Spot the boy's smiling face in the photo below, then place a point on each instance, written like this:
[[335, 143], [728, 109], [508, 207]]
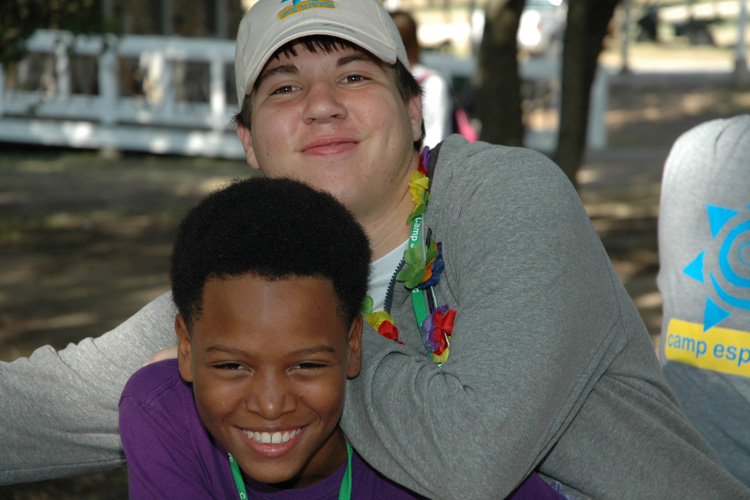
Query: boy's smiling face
[[269, 361], [336, 121]]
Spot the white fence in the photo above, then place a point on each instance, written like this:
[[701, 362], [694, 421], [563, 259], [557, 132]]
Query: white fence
[[171, 109], [154, 119]]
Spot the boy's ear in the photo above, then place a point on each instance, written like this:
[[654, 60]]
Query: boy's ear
[[246, 138], [355, 348], [414, 107], [184, 360]]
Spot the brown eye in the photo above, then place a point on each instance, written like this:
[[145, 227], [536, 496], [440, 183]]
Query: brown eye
[[286, 89], [354, 79], [310, 366], [229, 366]]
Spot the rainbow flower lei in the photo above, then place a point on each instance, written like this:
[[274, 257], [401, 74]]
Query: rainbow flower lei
[[423, 269]]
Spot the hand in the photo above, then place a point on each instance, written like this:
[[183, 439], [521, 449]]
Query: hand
[[168, 353]]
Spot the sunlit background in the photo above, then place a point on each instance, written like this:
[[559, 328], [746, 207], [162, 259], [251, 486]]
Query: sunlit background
[[113, 127]]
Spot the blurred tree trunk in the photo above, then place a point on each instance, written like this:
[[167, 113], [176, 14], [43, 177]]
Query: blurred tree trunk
[[20, 18], [588, 24], [498, 98]]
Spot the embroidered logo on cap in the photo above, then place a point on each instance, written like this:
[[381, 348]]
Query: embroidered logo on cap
[[302, 5]]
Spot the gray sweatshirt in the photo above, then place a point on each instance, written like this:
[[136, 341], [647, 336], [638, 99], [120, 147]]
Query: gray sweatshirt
[[551, 368], [704, 278]]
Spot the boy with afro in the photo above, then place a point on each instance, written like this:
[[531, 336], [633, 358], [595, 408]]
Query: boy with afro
[[268, 277]]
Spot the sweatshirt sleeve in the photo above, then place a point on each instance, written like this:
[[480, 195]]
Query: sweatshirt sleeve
[[537, 314], [59, 412]]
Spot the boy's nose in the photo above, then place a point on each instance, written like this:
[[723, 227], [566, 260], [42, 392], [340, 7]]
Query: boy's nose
[[323, 104], [270, 397]]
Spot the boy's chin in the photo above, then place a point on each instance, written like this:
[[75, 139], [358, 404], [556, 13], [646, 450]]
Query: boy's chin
[[283, 479], [291, 475]]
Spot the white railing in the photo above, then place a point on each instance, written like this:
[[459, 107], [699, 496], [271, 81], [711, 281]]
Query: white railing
[[157, 116], [154, 119]]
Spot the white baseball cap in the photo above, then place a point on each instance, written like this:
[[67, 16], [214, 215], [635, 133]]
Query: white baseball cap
[[270, 24]]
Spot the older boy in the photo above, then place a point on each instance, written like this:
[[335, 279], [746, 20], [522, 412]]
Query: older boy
[[519, 349]]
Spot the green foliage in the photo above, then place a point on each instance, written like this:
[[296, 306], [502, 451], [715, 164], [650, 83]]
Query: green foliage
[[19, 19]]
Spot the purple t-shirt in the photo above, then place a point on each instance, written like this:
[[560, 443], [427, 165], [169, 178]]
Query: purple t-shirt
[[171, 455]]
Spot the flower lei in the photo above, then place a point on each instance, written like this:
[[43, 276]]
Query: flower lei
[[424, 264]]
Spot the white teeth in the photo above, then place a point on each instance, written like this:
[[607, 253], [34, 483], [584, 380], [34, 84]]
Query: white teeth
[[272, 438]]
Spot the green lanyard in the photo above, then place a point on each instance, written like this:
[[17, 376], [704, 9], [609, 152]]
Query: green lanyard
[[238, 482], [417, 294], [345, 491]]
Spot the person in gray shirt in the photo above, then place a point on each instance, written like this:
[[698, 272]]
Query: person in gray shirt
[[704, 278]]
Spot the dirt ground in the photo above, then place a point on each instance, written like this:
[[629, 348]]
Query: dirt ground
[[84, 239]]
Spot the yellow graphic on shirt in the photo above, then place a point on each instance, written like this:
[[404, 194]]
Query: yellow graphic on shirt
[[301, 5], [718, 349]]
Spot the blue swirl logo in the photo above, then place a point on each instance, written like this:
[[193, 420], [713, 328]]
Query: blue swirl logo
[[726, 264]]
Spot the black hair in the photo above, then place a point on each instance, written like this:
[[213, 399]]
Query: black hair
[[275, 229], [406, 84]]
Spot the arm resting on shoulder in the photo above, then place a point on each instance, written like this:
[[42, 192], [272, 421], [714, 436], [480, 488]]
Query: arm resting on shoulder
[[59, 412], [535, 328]]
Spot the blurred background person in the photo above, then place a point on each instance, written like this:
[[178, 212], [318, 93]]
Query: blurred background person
[[437, 99]]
